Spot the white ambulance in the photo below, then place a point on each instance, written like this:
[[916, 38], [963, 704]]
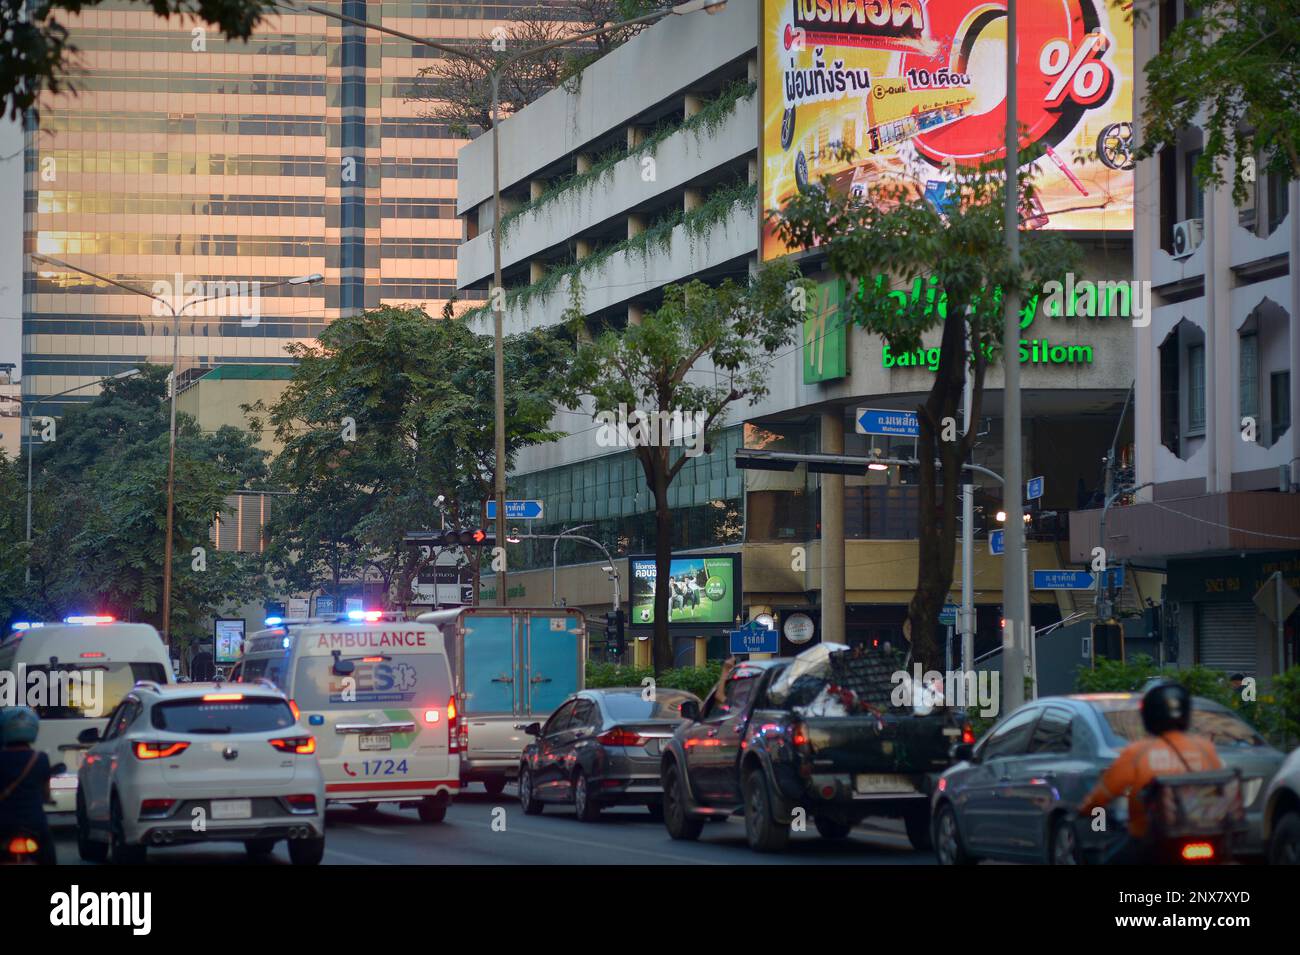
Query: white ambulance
[[376, 692]]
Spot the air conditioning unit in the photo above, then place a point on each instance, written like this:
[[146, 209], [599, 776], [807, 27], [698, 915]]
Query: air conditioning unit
[[1188, 236]]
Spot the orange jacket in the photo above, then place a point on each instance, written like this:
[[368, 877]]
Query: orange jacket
[[1144, 760]]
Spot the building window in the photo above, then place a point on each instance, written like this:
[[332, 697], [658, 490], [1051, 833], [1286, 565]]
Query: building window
[[1195, 195], [1169, 392], [1249, 377], [1196, 389], [1279, 404]]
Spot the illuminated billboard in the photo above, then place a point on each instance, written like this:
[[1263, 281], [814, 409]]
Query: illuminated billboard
[[703, 589], [916, 90]]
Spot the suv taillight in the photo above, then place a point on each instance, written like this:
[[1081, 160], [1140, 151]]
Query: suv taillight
[[159, 750], [302, 745], [618, 736], [457, 736], [967, 733], [155, 808]]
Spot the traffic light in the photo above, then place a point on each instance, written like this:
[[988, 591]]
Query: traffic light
[[1107, 641], [468, 537], [614, 636]]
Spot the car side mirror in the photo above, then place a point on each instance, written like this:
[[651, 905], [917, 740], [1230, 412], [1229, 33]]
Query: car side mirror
[[533, 729], [89, 735], [690, 710], [963, 751]]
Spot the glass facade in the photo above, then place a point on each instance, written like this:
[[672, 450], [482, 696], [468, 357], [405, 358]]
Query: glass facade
[[185, 158], [610, 494]]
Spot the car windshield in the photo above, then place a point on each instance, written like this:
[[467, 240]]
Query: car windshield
[[410, 678], [1225, 729], [91, 690], [219, 717], [629, 706]]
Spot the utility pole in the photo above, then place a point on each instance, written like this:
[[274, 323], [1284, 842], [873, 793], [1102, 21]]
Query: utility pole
[[966, 617], [1013, 580]]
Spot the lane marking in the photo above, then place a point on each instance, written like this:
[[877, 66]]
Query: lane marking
[[589, 844]]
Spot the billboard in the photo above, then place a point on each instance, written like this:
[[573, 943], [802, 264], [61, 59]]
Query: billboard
[[916, 90], [704, 589], [228, 640]]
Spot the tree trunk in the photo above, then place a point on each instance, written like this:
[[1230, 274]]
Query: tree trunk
[[662, 647], [937, 534]]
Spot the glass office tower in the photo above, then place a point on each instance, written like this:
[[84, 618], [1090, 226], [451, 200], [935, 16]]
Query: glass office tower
[[185, 163]]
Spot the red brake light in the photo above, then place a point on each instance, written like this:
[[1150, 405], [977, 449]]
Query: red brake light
[[619, 736], [372, 659], [457, 736], [293, 708], [302, 802], [94, 655], [162, 750], [155, 807], [222, 697], [22, 846], [967, 734], [798, 735], [302, 745], [1198, 851]]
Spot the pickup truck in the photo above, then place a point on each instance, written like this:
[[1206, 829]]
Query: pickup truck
[[814, 737]]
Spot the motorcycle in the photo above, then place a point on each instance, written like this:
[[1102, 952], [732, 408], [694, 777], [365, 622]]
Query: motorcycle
[[19, 846], [1195, 818]]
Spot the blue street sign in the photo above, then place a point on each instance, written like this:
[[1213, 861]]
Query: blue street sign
[[948, 616], [517, 510], [1116, 575], [995, 543], [882, 421], [1034, 489], [755, 640], [1064, 580]]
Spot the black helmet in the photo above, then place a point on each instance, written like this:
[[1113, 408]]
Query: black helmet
[[1166, 706]]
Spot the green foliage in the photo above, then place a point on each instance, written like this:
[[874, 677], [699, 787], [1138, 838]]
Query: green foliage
[[100, 505], [716, 209], [697, 680], [707, 121], [13, 530], [1275, 713], [1235, 63], [35, 46], [419, 393]]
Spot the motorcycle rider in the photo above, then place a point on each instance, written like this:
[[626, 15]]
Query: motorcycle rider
[[24, 781], [1170, 750]]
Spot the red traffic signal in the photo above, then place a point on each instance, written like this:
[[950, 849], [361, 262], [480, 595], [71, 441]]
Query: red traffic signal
[[468, 537]]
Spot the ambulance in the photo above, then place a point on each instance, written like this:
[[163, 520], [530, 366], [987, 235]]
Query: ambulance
[[376, 692], [73, 674]]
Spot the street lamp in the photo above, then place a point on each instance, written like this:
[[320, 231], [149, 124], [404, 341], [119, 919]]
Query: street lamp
[[494, 72], [312, 279], [130, 372]]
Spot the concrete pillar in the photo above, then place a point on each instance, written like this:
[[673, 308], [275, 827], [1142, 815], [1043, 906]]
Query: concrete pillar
[[692, 199], [635, 225], [832, 544], [751, 69], [634, 314], [581, 248], [582, 163], [536, 271], [693, 104], [635, 137], [701, 651], [641, 653], [536, 187], [1295, 330], [1222, 430], [753, 169]]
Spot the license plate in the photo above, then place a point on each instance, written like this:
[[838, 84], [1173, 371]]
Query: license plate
[[375, 742], [231, 809], [883, 783]]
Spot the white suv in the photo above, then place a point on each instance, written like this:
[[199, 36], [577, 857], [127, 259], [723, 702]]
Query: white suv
[[200, 762]]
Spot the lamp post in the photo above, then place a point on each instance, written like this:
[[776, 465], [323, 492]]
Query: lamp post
[[312, 279], [130, 372], [496, 297], [555, 558]]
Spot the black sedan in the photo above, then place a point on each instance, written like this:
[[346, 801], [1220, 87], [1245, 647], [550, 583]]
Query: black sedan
[[600, 748]]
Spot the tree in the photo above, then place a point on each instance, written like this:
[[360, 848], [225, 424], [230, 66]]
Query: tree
[[1239, 64], [389, 410], [964, 253], [458, 89], [13, 529], [35, 48], [641, 378], [100, 510]]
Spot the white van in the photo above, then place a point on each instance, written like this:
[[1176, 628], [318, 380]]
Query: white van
[[99, 656], [376, 692]]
